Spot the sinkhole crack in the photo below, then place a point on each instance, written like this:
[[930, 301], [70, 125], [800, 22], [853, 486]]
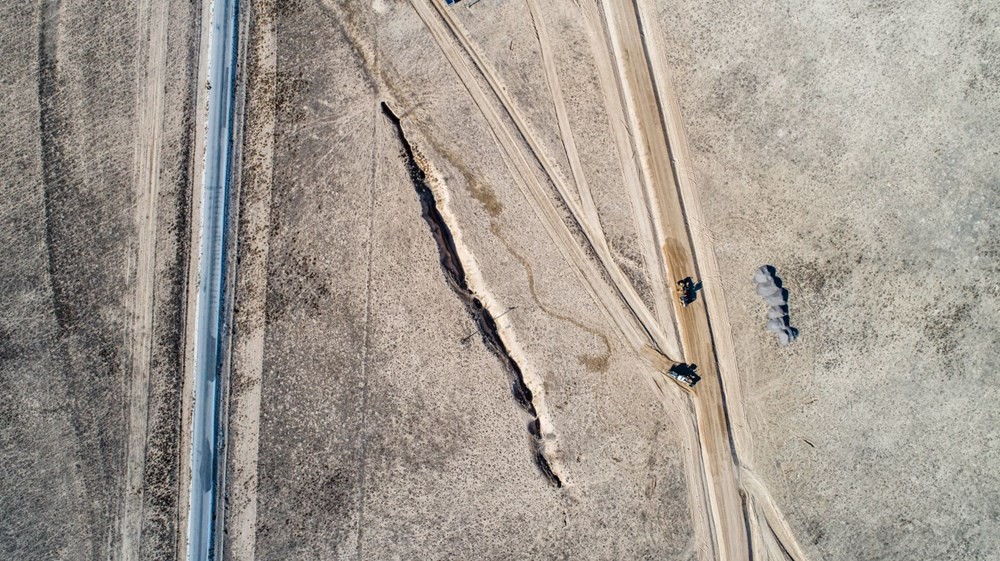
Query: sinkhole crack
[[485, 321]]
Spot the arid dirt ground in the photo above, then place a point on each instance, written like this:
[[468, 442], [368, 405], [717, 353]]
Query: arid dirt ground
[[384, 430], [852, 146], [448, 313], [847, 147], [95, 174]]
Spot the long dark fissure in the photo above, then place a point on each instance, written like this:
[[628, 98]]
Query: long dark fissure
[[486, 324]]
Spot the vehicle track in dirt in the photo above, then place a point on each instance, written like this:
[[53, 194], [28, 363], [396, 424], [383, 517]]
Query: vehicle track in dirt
[[150, 93], [624, 317], [747, 522], [724, 501], [776, 536], [771, 536], [661, 296], [667, 392], [589, 208], [597, 362], [649, 138], [54, 166], [445, 27], [633, 179]]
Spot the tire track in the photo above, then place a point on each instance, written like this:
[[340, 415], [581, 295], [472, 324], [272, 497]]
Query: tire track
[[562, 117], [728, 516], [649, 247], [681, 409], [621, 284], [772, 529], [593, 363], [622, 316], [633, 180], [688, 250], [54, 172], [668, 392], [150, 92], [54, 169], [781, 542]]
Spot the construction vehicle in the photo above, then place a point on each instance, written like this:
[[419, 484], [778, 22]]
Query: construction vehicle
[[684, 374], [687, 291]]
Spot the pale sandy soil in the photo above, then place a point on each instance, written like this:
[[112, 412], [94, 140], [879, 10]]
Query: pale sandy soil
[[384, 431], [850, 146], [584, 155], [570, 102]]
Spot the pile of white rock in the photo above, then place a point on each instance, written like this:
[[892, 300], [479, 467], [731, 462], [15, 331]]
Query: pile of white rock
[[768, 285]]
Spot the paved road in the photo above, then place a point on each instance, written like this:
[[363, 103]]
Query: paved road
[[208, 322]]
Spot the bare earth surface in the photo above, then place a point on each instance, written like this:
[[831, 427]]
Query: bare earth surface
[[852, 148], [457, 234], [95, 187], [557, 154], [386, 430]]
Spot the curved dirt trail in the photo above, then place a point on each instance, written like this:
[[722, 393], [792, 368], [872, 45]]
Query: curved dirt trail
[[594, 362]]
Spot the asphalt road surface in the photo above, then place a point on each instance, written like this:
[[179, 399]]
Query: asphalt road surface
[[218, 150]]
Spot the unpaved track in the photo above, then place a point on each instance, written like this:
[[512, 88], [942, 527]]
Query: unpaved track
[[562, 116], [150, 92], [661, 296], [780, 542], [719, 482], [778, 539], [622, 316], [648, 245], [656, 114], [773, 534], [636, 308], [725, 503]]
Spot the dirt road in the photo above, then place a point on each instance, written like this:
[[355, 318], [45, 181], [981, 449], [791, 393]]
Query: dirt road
[[726, 507], [150, 93], [635, 89], [737, 506]]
